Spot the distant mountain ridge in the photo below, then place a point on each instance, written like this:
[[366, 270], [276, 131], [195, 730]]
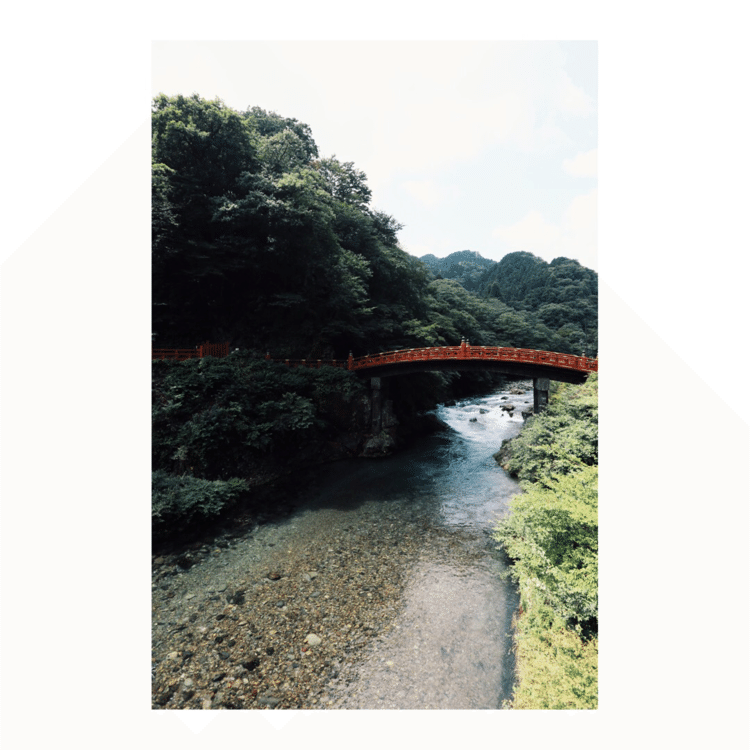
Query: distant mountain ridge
[[465, 266], [561, 295]]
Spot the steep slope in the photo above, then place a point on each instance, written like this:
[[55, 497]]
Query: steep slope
[[465, 266]]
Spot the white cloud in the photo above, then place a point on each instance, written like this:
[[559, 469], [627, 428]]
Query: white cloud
[[418, 250], [532, 233], [400, 109], [571, 99], [579, 230], [425, 191], [582, 165], [574, 237], [397, 110]]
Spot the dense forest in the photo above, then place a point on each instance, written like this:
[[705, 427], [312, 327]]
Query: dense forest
[[465, 266], [260, 241]]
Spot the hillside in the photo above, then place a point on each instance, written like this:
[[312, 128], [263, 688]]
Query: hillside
[[465, 266], [561, 295]]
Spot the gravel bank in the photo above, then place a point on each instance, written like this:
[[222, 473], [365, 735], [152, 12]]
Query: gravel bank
[[270, 619]]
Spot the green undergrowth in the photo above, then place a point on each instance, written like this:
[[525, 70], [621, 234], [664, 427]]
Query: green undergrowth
[[219, 424], [555, 667], [215, 418], [182, 502], [560, 440], [551, 536]]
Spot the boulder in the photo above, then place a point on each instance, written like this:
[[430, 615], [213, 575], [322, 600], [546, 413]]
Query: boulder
[[378, 445]]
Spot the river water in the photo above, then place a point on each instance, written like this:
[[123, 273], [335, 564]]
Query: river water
[[390, 565], [450, 646]]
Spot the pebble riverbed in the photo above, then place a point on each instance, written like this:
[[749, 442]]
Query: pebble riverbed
[[270, 619]]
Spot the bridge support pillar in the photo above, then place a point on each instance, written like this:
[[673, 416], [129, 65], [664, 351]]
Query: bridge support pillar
[[541, 394], [376, 398]]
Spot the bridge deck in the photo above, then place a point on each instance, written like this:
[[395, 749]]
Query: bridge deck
[[458, 357], [517, 362], [527, 363]]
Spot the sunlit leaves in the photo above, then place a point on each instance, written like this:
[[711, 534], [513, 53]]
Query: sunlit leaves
[[551, 534], [561, 439]]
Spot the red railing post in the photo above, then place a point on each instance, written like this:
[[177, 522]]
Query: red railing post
[[350, 362]]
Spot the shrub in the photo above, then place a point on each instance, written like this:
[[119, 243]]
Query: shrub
[[179, 502], [215, 418], [561, 439], [552, 536], [555, 668]]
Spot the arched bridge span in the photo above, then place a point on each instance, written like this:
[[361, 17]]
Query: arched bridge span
[[541, 366], [526, 363]]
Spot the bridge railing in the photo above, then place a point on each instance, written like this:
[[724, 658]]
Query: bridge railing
[[423, 354], [463, 352], [202, 350]]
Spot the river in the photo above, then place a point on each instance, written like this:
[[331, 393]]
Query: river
[[450, 647], [390, 562]]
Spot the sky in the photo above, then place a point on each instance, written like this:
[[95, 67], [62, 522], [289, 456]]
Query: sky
[[484, 146]]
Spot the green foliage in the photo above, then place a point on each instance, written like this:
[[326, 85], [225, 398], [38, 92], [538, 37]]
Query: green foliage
[[259, 241], [563, 438], [182, 501], [551, 535], [214, 418], [555, 668], [465, 266], [558, 300]]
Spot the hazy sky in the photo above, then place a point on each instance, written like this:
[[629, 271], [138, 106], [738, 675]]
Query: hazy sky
[[486, 146]]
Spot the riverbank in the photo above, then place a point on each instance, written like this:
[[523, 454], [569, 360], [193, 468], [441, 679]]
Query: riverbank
[[551, 534]]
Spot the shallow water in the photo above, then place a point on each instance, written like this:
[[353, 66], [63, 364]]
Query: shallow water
[[450, 646]]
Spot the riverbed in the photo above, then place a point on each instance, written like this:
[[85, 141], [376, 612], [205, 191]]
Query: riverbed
[[383, 589]]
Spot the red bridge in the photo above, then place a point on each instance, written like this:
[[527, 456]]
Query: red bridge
[[527, 363], [518, 362], [202, 350], [533, 364], [540, 366]]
